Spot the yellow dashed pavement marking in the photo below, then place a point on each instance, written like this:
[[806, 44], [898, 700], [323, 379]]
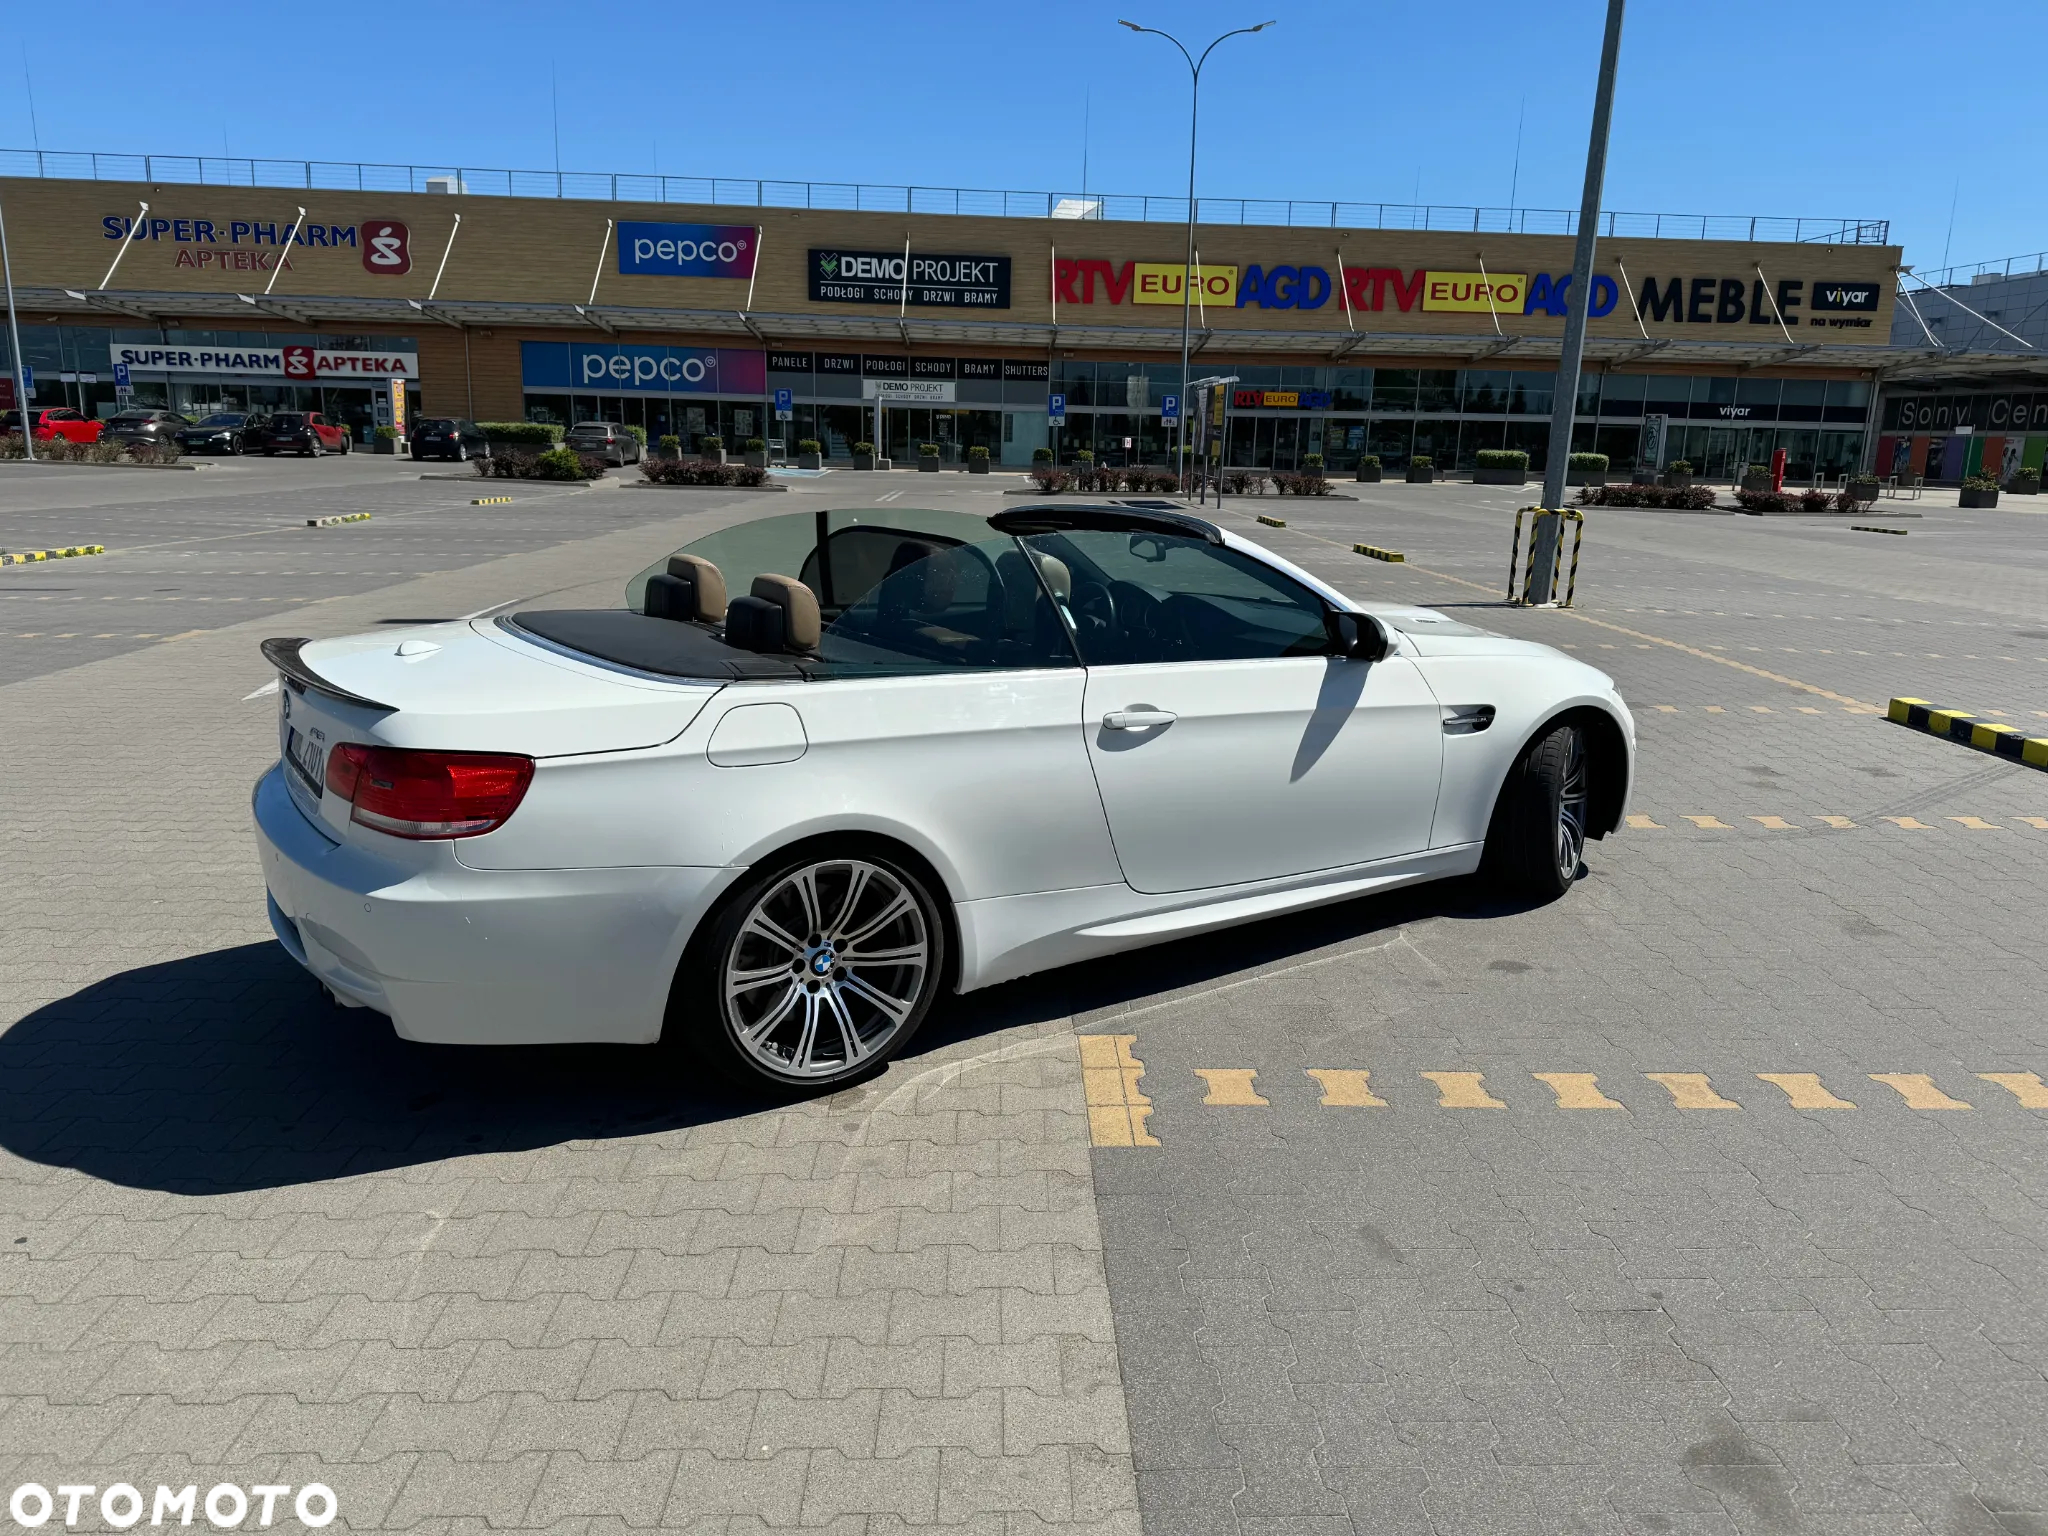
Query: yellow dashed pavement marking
[[1775, 823], [1577, 1090], [1805, 1091], [1808, 709], [1109, 1077], [1761, 709], [1918, 1090], [1666, 709], [1230, 1085], [1837, 822], [1910, 823], [1346, 1088], [1711, 823], [1691, 1090], [2027, 1087], [1716, 709], [1644, 822], [1976, 823], [1463, 1090]]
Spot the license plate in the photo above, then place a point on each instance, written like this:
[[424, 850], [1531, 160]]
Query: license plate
[[306, 751]]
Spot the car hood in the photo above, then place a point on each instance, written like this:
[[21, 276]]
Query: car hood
[[470, 687], [1428, 632]]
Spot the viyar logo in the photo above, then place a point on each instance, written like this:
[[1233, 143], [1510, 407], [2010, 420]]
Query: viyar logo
[[387, 247]]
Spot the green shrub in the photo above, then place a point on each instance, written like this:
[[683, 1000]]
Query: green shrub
[[866, 449], [1975, 483], [639, 434], [1422, 461], [1863, 477], [1047, 478], [12, 446], [1369, 461], [2026, 477], [387, 434], [1041, 455], [670, 446], [710, 443], [927, 450], [1502, 458], [1672, 498], [1681, 467], [103, 452], [1084, 455], [809, 445], [977, 452], [537, 432], [754, 445], [1592, 461], [1312, 461]]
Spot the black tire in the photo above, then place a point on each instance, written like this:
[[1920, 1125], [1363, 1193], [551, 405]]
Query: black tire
[[462, 453], [769, 1011], [234, 447], [348, 446], [1537, 840]]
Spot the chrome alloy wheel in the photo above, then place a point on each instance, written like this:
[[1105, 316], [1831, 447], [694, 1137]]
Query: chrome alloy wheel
[[826, 968], [1572, 799]]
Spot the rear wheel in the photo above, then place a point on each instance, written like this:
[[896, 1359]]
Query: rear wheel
[[818, 969], [1538, 837]]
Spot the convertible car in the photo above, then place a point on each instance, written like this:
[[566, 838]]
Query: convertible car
[[817, 767]]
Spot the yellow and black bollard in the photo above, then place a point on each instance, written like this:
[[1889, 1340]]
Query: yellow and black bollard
[[1539, 575]]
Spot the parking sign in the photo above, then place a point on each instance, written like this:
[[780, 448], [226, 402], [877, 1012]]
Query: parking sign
[[120, 376], [783, 400], [1169, 407], [1056, 408]]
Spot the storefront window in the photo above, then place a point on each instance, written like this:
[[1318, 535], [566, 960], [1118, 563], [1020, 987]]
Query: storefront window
[[1393, 389], [1621, 394], [1436, 389], [1530, 394], [1475, 436], [1391, 440], [1486, 391]]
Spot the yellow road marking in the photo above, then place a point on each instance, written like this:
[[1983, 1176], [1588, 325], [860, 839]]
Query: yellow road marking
[[1665, 709], [2027, 1087], [1643, 822], [1808, 709], [1976, 823], [1918, 1090], [1716, 709], [1775, 823], [1346, 1088], [1911, 824], [1577, 1090], [1761, 709], [1691, 1090], [1710, 823], [2034, 821], [1836, 821], [1109, 1079], [1805, 1091], [1231, 1085], [1463, 1090]]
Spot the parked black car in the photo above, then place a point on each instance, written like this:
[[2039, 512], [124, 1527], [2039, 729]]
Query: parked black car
[[306, 432], [144, 426], [605, 440], [222, 432], [449, 437]]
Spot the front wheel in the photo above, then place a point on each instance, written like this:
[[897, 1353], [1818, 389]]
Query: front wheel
[[1538, 836], [818, 969]]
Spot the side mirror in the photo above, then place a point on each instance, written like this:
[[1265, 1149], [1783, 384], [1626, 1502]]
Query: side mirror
[[1356, 636]]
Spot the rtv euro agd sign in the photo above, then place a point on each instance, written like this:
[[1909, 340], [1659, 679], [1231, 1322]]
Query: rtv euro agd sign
[[226, 1506]]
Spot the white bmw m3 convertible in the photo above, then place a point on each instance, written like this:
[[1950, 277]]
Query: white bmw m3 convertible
[[818, 767]]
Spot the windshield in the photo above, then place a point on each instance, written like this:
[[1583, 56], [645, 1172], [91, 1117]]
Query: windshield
[[287, 420], [222, 419], [436, 424], [862, 549]]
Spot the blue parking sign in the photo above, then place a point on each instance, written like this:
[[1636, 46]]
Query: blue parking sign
[[784, 400], [1056, 407], [1169, 407], [121, 376]]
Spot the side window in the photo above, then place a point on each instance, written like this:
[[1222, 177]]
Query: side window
[[969, 607], [1136, 598]]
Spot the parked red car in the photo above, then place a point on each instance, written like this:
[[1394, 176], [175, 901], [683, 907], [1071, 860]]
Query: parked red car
[[59, 421], [306, 432]]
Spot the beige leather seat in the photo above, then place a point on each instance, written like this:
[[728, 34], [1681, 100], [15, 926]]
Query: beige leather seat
[[779, 614], [691, 589]]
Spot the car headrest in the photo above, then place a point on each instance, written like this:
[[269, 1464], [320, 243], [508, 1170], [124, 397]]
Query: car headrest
[[692, 589], [1058, 578], [799, 605]]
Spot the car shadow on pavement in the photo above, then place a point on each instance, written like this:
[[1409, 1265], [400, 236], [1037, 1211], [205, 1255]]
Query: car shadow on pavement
[[230, 1071]]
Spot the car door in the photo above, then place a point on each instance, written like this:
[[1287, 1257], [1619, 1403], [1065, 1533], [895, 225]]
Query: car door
[[1228, 743]]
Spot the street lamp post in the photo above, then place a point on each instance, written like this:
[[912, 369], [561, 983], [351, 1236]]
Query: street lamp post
[[1187, 276], [28, 436]]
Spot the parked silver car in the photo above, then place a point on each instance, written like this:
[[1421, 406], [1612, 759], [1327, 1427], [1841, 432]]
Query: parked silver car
[[606, 440], [144, 426]]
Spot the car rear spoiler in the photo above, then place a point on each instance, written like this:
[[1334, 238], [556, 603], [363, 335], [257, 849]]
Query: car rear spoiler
[[1106, 517], [284, 655]]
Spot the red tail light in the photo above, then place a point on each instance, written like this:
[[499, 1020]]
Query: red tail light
[[409, 793]]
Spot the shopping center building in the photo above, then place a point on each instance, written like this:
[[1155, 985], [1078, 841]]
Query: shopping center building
[[684, 307]]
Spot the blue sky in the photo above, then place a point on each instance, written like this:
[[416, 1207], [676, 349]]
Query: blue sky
[[1734, 107]]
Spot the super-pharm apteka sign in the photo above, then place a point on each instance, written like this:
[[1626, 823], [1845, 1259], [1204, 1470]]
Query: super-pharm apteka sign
[[1713, 300]]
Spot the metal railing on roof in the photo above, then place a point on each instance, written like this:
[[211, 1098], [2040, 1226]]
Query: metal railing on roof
[[2010, 266], [362, 176]]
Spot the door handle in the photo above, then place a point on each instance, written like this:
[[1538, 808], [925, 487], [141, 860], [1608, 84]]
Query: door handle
[[1137, 719]]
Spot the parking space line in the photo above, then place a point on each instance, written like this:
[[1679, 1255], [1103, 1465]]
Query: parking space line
[[2027, 1087], [1691, 1090], [1774, 823], [1710, 823], [1976, 823], [1349, 1088], [1804, 1090], [1918, 1090], [1231, 1085], [1109, 1078], [1463, 1090], [1910, 823], [1577, 1090]]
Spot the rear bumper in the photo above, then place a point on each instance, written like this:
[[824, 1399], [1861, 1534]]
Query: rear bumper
[[478, 957]]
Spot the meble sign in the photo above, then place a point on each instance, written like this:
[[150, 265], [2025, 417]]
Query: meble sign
[[686, 250]]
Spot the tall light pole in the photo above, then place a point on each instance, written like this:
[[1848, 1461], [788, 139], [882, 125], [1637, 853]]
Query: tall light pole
[[1187, 277], [1578, 299], [28, 436]]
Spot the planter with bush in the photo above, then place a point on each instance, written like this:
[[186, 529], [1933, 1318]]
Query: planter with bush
[[555, 464], [385, 440], [1421, 469], [1977, 491], [863, 455], [668, 446], [977, 460], [754, 453], [639, 435], [1756, 477], [1041, 456], [1500, 466], [535, 435], [703, 472], [2025, 482], [1679, 476], [711, 446], [928, 458], [1369, 468], [1668, 498], [1586, 469], [810, 453], [1864, 487]]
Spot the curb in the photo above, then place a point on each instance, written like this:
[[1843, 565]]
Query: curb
[[330, 522], [68, 552], [1273, 522], [1961, 726], [488, 501], [1393, 556]]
